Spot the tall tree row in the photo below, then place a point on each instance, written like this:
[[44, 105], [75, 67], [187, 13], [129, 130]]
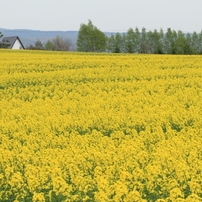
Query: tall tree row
[[91, 39], [154, 42]]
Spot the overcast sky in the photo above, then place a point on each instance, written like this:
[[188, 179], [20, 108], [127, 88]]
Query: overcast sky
[[107, 15]]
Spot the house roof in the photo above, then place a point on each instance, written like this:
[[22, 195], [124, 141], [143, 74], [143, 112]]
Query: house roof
[[11, 40]]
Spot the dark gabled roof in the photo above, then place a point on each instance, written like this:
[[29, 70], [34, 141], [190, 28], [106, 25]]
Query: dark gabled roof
[[11, 40]]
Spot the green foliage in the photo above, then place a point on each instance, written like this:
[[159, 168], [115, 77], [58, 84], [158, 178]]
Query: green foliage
[[132, 41], [49, 45], [91, 39], [154, 42], [116, 43], [144, 42]]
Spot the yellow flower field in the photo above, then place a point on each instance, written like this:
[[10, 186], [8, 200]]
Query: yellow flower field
[[78, 127]]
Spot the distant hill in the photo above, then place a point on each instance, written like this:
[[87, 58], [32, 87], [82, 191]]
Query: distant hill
[[29, 37]]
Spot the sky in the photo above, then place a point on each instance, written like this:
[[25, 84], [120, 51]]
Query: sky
[[106, 15]]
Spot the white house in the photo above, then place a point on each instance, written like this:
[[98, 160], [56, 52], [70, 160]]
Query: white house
[[13, 42]]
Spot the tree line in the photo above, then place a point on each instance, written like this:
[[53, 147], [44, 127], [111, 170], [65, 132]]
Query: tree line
[[56, 44], [91, 39]]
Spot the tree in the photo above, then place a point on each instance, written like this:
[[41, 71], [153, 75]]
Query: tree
[[116, 43], [132, 41], [173, 44], [188, 46], [39, 45], [168, 41], [111, 44], [144, 42], [180, 43], [61, 44], [119, 43], [90, 39], [151, 42], [49, 45], [200, 43], [1, 35], [3, 43], [157, 38], [30, 47], [57, 44], [195, 43], [161, 42]]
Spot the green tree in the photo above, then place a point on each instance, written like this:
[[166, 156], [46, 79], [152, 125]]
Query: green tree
[[90, 39], [151, 42], [173, 44], [132, 41], [111, 44], [195, 43], [168, 41], [144, 42], [161, 42], [120, 43], [157, 38], [49, 45], [116, 43], [180, 43], [200, 43], [188, 44]]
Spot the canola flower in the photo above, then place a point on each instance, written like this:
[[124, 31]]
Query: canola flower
[[100, 127]]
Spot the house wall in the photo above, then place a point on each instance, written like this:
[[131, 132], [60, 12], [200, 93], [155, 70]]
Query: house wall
[[17, 45]]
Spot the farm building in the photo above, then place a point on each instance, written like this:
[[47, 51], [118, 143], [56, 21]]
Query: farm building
[[13, 42]]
